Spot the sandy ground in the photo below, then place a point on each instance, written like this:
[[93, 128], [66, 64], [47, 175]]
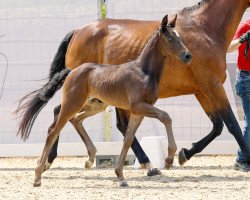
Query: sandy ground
[[201, 178]]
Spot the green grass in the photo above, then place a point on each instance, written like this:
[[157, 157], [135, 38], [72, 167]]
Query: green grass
[[103, 11]]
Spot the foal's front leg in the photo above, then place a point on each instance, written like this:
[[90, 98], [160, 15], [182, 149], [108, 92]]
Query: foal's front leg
[[134, 123], [149, 110]]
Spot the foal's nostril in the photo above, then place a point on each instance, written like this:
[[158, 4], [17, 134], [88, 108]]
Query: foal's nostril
[[186, 57]]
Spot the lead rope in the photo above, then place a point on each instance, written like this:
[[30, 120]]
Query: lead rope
[[246, 50], [6, 71]]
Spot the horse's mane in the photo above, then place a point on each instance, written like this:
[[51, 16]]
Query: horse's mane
[[192, 8]]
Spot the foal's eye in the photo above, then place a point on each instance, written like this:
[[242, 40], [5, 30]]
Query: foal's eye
[[170, 39]]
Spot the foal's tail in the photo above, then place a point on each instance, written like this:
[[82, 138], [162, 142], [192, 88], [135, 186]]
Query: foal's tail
[[31, 104]]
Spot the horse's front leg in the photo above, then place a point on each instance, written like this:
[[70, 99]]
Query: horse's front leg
[[215, 92], [122, 117], [133, 125], [210, 110]]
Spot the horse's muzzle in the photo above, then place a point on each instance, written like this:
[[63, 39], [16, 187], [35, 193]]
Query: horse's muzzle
[[186, 57]]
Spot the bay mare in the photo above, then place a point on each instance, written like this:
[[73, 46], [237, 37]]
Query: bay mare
[[207, 30], [132, 86]]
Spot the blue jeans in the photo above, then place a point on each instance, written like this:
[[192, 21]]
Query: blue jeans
[[242, 88]]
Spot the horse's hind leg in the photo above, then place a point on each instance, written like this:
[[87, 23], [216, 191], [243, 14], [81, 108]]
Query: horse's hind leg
[[94, 106], [53, 152], [210, 110]]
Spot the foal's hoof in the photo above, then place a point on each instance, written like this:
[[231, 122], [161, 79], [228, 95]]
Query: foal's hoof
[[168, 166], [168, 163], [88, 164], [37, 182], [182, 157], [154, 172], [123, 183]]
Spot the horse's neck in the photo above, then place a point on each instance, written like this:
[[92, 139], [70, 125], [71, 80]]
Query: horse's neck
[[221, 18], [151, 59]]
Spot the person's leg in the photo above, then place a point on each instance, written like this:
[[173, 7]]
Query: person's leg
[[243, 89]]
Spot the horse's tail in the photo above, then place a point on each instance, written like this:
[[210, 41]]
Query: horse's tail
[[31, 104]]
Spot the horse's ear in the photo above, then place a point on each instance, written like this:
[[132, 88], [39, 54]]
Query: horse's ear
[[164, 23], [172, 23]]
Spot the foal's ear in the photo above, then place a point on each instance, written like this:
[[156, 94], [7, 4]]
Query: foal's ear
[[164, 23], [172, 23]]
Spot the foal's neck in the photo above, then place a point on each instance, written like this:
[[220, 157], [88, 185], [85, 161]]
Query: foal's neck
[[151, 59]]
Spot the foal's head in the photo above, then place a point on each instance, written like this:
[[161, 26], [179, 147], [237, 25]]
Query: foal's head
[[171, 42]]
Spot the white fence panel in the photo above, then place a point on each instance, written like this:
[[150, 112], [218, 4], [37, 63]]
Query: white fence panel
[[32, 32]]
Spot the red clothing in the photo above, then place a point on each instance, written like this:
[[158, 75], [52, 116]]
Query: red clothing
[[243, 63]]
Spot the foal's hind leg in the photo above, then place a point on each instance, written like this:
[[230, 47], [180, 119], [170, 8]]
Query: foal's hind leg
[[53, 133], [93, 107], [70, 108]]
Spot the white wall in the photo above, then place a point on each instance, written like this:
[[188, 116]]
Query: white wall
[[33, 31]]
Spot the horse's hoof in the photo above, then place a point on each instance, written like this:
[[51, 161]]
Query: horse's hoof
[[37, 183], [88, 164], [154, 172], [47, 166], [123, 183], [182, 157]]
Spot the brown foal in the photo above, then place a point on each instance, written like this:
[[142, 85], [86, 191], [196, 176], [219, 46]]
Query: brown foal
[[131, 86]]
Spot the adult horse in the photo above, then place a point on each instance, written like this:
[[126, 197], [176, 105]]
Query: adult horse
[[207, 30]]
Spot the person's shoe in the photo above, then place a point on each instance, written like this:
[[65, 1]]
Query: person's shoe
[[241, 166]]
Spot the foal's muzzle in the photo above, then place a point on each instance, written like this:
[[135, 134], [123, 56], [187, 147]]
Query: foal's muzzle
[[186, 57]]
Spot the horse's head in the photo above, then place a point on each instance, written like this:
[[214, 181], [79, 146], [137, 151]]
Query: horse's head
[[172, 44]]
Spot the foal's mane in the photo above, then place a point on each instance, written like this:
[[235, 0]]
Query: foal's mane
[[149, 41]]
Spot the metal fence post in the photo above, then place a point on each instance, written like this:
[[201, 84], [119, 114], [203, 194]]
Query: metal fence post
[[106, 116]]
